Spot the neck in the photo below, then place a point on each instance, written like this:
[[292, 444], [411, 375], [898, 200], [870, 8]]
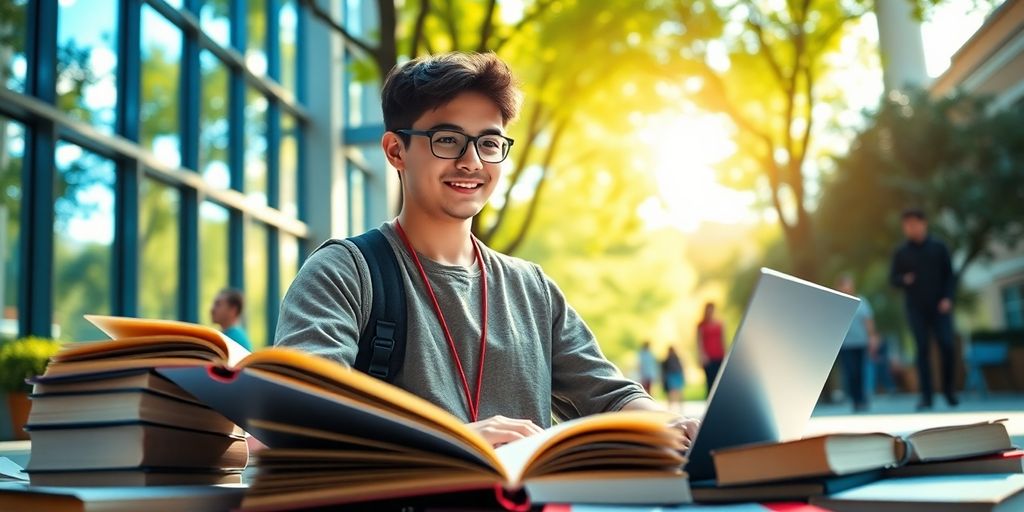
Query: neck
[[227, 325], [447, 243]]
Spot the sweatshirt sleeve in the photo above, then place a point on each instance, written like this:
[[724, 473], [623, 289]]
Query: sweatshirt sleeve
[[583, 381], [895, 270], [325, 308]]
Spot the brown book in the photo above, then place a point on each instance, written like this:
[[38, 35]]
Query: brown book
[[1000, 463], [133, 445], [113, 406], [179, 498], [137, 476], [336, 435], [842, 454], [137, 380]]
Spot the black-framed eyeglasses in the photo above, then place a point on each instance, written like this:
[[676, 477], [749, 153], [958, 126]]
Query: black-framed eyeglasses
[[451, 145]]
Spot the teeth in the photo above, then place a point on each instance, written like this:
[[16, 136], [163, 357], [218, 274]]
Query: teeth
[[463, 185]]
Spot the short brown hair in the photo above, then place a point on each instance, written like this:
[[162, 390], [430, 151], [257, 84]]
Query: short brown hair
[[427, 83], [234, 298]]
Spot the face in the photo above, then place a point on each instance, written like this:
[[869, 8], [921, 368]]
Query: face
[[440, 188], [845, 285], [709, 311], [915, 229], [221, 312]]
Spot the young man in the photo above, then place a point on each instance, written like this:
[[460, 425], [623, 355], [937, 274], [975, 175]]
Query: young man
[[922, 268], [490, 338], [227, 313]]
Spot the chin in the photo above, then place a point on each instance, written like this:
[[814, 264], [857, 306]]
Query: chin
[[463, 213]]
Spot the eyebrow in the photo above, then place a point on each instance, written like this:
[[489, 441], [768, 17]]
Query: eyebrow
[[455, 127]]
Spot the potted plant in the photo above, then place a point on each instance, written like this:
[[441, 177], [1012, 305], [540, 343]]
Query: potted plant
[[19, 360]]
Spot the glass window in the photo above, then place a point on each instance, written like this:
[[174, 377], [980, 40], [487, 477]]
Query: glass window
[[289, 167], [255, 147], [87, 61], [213, 19], [289, 247], [83, 235], [13, 22], [356, 203], [256, 283], [12, 137], [213, 255], [288, 31], [1013, 306], [161, 57], [158, 247], [256, 51], [213, 121]]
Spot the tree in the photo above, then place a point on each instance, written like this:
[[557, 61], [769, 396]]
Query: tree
[[767, 69], [571, 56], [951, 156]]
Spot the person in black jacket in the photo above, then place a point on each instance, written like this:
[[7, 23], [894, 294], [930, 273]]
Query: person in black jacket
[[921, 267]]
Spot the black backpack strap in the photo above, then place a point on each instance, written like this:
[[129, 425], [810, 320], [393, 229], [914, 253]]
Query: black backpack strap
[[382, 342]]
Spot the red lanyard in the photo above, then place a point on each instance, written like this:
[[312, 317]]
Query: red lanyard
[[474, 404]]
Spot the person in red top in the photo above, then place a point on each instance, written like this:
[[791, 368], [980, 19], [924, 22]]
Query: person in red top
[[709, 344]]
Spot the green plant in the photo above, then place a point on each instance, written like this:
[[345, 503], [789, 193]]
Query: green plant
[[24, 358]]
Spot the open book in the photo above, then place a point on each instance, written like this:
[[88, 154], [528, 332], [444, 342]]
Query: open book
[[336, 435], [842, 454]]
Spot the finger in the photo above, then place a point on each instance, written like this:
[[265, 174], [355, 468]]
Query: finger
[[499, 435], [524, 427]]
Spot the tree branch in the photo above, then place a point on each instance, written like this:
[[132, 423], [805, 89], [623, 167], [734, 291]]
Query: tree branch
[[487, 27], [533, 131], [766, 50], [453, 28], [387, 52], [526, 20], [351, 40], [417, 33], [531, 212]]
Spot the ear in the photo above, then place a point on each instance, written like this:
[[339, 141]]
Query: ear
[[394, 150]]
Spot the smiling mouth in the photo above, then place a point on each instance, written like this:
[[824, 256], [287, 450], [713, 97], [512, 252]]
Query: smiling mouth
[[464, 186]]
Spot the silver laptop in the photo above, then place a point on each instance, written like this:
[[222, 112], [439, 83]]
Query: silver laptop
[[775, 369]]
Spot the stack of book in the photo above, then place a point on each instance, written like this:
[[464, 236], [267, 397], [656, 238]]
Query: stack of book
[[103, 426], [337, 436], [819, 466]]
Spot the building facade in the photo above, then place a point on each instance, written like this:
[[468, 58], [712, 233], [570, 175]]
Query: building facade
[[156, 151], [991, 63]]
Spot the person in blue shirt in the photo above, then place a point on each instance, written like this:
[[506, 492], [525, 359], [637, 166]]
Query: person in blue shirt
[[227, 313], [860, 343]]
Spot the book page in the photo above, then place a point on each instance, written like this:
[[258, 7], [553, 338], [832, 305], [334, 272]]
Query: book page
[[355, 385], [517, 456], [123, 327]]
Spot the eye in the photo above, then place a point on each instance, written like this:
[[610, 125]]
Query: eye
[[445, 139]]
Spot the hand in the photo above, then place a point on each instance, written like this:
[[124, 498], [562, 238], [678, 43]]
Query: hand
[[908, 278], [499, 430], [873, 343], [688, 426], [945, 306]]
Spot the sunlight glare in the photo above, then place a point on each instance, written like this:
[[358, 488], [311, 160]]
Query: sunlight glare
[[685, 150]]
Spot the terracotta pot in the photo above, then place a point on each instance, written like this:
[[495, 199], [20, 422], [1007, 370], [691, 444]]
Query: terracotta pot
[[19, 405]]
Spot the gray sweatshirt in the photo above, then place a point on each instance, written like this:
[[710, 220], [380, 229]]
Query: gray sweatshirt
[[541, 357]]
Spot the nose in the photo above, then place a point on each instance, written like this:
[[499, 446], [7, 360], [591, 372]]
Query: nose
[[470, 159]]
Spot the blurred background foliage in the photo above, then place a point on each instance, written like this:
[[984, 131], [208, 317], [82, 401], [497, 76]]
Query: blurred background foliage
[[667, 149]]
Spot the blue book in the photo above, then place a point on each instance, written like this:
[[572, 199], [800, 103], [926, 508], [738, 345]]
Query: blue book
[[962, 493]]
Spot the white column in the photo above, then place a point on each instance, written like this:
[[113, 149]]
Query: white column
[[900, 44]]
